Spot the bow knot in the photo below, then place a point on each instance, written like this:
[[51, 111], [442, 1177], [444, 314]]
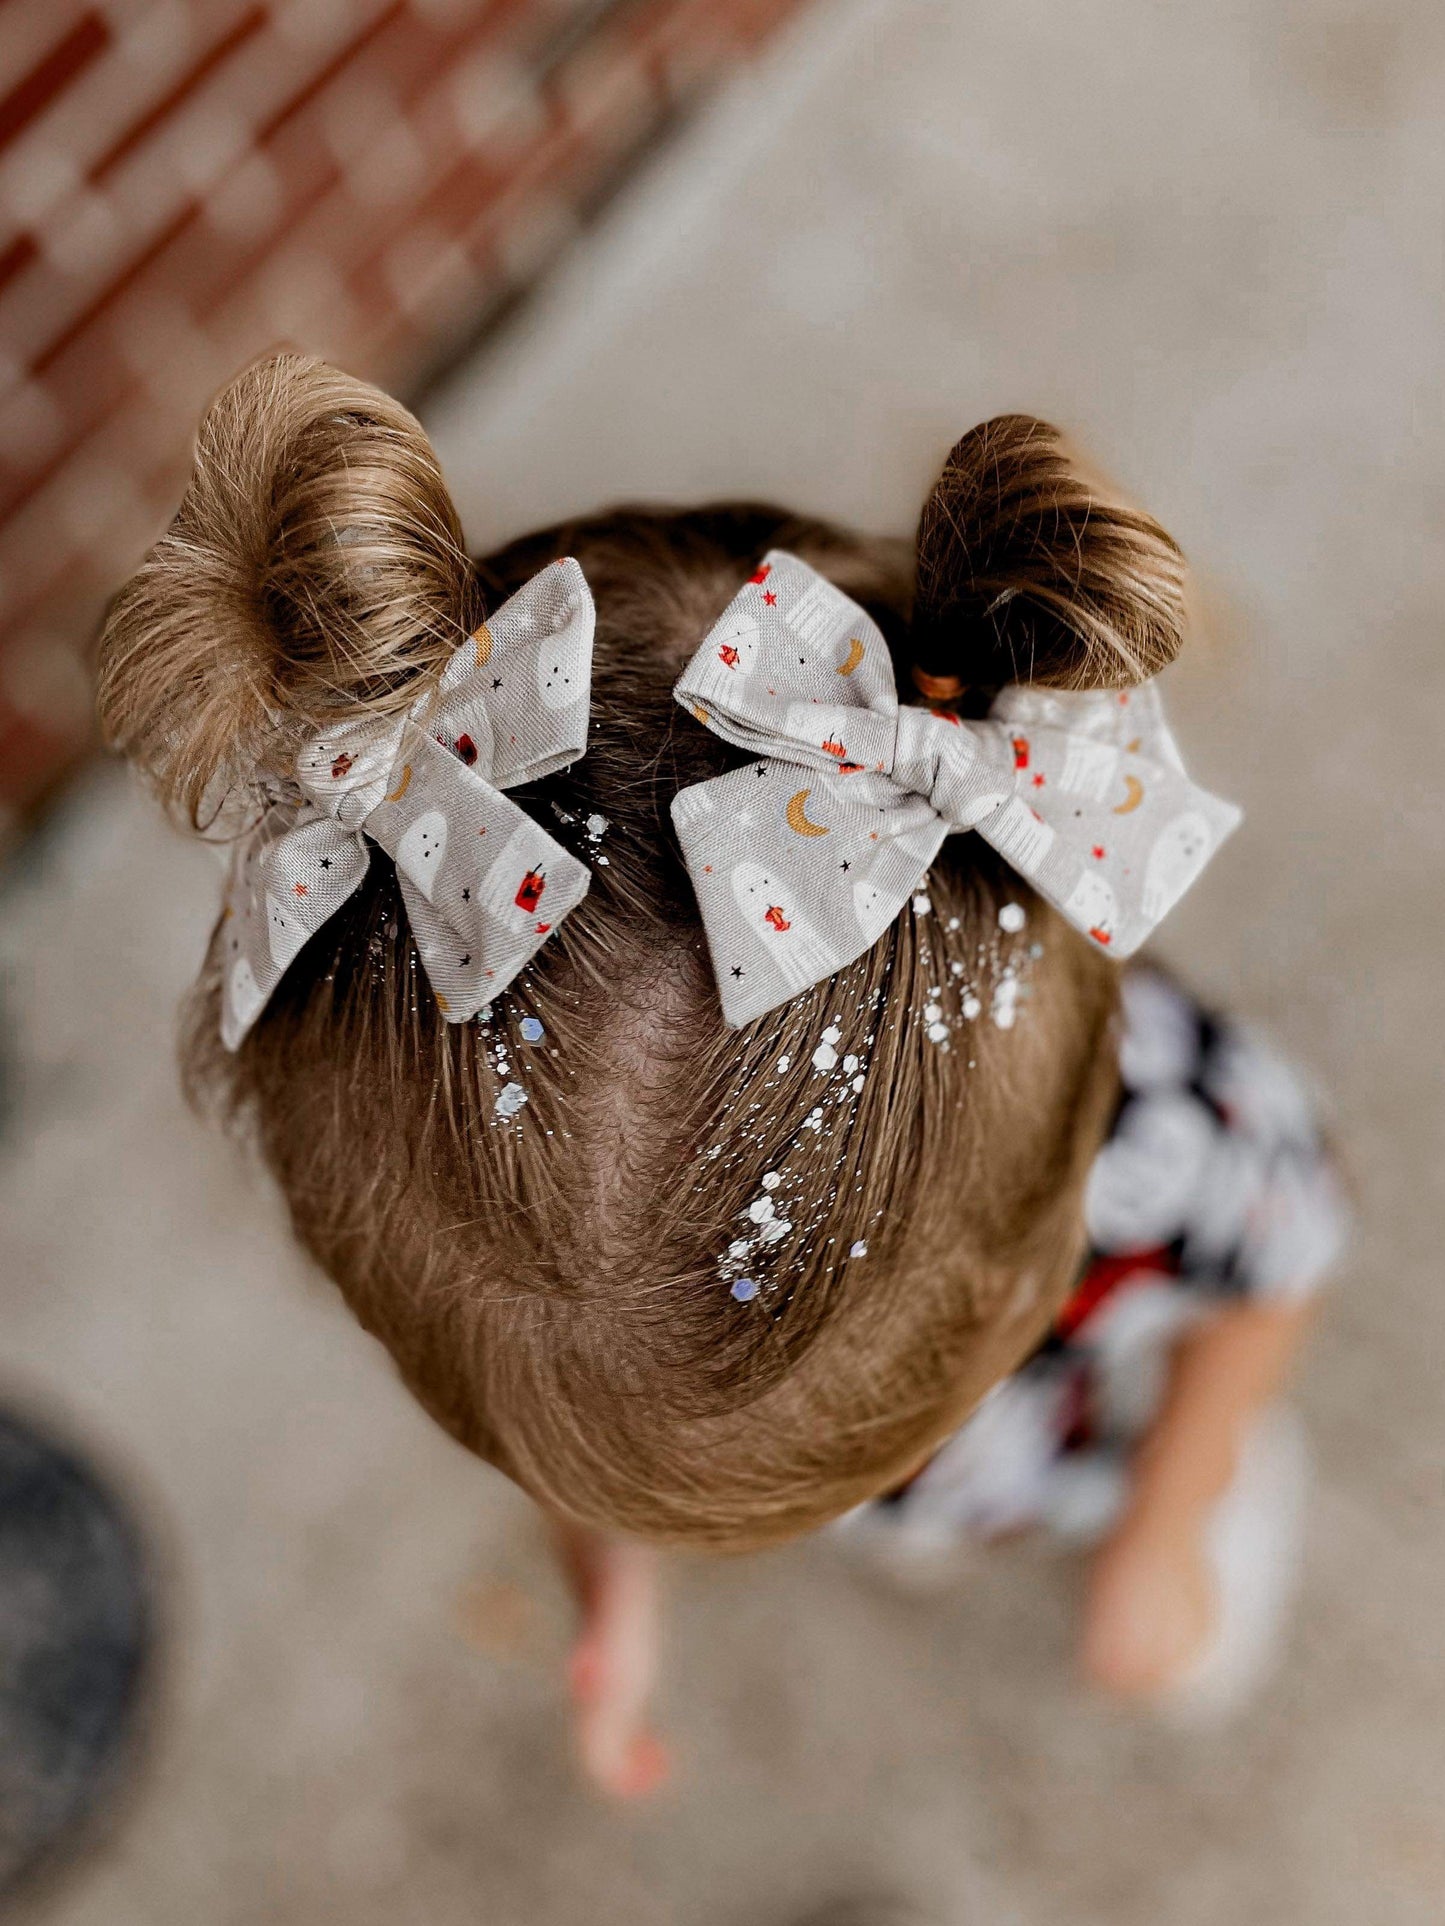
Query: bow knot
[[964, 774], [483, 884], [346, 773], [803, 859]]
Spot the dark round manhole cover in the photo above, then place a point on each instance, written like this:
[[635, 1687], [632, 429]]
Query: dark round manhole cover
[[74, 1633]]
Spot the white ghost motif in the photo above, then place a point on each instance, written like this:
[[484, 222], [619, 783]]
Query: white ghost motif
[[874, 908], [729, 654], [770, 910], [1019, 836], [422, 851], [245, 996], [892, 877], [1089, 767], [1092, 906], [516, 889], [1175, 860], [820, 613], [284, 931], [563, 675]]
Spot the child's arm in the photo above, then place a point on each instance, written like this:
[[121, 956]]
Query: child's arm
[[1150, 1608]]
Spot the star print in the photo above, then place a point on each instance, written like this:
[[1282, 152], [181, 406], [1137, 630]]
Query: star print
[[466, 896], [465, 960], [496, 682], [300, 888], [770, 598], [326, 862], [1098, 852], [738, 971], [845, 866], [1039, 780]]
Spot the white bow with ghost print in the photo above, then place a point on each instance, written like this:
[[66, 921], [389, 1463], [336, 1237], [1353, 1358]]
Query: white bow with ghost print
[[484, 884], [803, 858]]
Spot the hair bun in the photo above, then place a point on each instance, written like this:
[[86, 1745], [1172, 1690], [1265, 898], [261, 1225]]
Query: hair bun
[[315, 568], [1030, 571]]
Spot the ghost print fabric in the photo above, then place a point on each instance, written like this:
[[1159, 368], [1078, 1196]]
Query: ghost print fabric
[[803, 857], [483, 884]]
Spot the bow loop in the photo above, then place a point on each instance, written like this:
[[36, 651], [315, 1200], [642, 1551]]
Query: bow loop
[[483, 883], [514, 700], [803, 859]]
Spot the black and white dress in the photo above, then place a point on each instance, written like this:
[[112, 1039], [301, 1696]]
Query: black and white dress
[[1214, 1185]]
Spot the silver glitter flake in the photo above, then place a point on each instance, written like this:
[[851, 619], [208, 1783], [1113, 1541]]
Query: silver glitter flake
[[510, 1099]]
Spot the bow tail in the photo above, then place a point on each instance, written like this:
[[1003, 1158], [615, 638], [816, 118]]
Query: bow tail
[[1110, 838], [483, 883], [288, 875]]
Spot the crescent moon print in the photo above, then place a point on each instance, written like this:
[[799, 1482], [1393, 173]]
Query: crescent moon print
[[483, 640], [402, 787], [1134, 797], [798, 818], [856, 652]]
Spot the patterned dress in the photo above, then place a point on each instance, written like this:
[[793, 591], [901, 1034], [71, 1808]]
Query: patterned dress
[[1213, 1186]]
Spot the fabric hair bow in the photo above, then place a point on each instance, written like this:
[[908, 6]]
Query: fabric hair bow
[[801, 860], [482, 882]]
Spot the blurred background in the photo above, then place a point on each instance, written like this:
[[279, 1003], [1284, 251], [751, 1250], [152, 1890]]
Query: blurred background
[[670, 249]]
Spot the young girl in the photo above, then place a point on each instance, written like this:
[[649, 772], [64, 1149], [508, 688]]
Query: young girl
[[704, 1075]]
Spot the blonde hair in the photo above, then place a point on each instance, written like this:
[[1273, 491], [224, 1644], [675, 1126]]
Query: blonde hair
[[552, 1294]]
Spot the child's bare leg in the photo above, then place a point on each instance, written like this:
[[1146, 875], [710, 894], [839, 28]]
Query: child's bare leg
[[1151, 1609], [614, 1661]]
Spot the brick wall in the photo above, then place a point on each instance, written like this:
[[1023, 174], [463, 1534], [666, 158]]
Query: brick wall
[[184, 183]]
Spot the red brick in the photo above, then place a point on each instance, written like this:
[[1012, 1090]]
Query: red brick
[[18, 256], [177, 95], [29, 98]]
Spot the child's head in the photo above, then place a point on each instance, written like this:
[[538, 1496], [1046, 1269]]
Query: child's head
[[554, 1288]]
